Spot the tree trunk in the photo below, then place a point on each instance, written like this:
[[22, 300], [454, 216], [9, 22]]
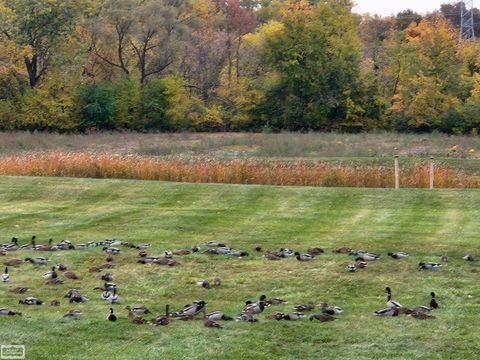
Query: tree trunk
[[32, 70]]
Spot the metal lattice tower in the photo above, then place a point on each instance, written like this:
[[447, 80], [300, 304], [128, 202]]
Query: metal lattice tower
[[466, 21]]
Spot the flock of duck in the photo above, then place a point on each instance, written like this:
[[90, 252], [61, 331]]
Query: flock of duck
[[197, 308]]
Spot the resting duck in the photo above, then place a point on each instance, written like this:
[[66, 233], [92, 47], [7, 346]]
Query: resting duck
[[391, 303], [390, 311], [213, 243], [181, 252], [276, 316], [114, 298], [248, 317], [276, 301], [315, 251], [293, 316], [322, 317], [12, 246], [54, 303], [37, 260], [205, 284], [469, 257], [398, 255], [256, 307], [421, 315], [13, 262], [167, 254], [19, 290], [30, 246], [272, 256], [141, 310], [351, 268], [108, 286], [71, 275], [223, 250], [303, 257], [257, 247], [209, 322], [73, 313], [111, 250], [54, 281], [191, 310], [78, 298], [108, 276], [5, 311], [195, 248], [286, 252], [6, 275], [133, 317], [162, 320], [142, 246], [343, 250], [50, 274], [331, 310], [218, 315], [361, 264], [111, 316], [429, 265], [303, 307], [433, 302], [60, 267], [217, 281], [238, 253], [367, 257], [30, 301]]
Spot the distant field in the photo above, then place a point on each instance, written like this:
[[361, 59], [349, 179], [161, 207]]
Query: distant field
[[172, 216]]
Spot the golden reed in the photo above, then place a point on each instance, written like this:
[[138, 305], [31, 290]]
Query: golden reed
[[240, 171]]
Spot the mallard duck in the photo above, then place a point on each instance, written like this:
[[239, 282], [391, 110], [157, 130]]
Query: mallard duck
[[303, 257], [112, 242], [276, 316], [167, 262], [37, 260], [218, 315], [255, 307], [429, 265], [162, 320], [60, 267], [30, 246], [210, 252], [72, 293], [322, 317], [204, 284], [106, 295], [5, 311], [6, 275], [30, 301], [271, 256], [71, 275], [73, 313], [315, 251], [238, 253], [167, 254], [111, 250], [191, 310], [433, 302], [286, 252], [195, 248], [209, 322], [351, 268], [444, 258], [50, 274], [342, 250], [390, 311], [114, 298], [303, 307], [367, 257], [223, 250], [142, 246], [13, 262], [54, 281], [111, 316], [293, 316], [12, 246], [141, 310], [19, 290], [133, 317], [276, 301], [149, 259], [54, 303], [107, 286], [181, 252], [257, 247], [213, 243], [421, 315], [469, 257], [398, 255], [248, 317], [78, 298], [391, 303], [361, 264], [108, 276], [331, 310], [217, 281], [142, 253]]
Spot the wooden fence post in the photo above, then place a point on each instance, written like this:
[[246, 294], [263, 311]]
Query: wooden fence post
[[397, 173], [432, 172]]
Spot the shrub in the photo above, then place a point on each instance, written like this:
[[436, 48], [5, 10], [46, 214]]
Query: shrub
[[96, 104]]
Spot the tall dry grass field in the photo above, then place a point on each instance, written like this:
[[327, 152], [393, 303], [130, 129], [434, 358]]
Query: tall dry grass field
[[238, 171]]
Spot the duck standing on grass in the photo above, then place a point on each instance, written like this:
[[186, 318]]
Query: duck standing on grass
[[5, 275], [433, 302], [50, 274], [111, 316], [391, 303]]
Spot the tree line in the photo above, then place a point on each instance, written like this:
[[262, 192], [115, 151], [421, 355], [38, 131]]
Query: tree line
[[234, 65]]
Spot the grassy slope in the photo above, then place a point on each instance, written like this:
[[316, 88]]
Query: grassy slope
[[422, 222]]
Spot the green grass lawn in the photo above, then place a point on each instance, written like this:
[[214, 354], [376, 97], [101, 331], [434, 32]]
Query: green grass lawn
[[424, 223]]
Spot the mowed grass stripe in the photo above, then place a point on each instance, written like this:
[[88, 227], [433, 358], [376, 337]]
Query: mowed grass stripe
[[172, 216]]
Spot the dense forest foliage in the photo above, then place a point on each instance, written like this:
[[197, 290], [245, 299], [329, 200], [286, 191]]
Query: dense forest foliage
[[233, 65]]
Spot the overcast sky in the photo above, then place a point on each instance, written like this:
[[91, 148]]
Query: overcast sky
[[388, 7]]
